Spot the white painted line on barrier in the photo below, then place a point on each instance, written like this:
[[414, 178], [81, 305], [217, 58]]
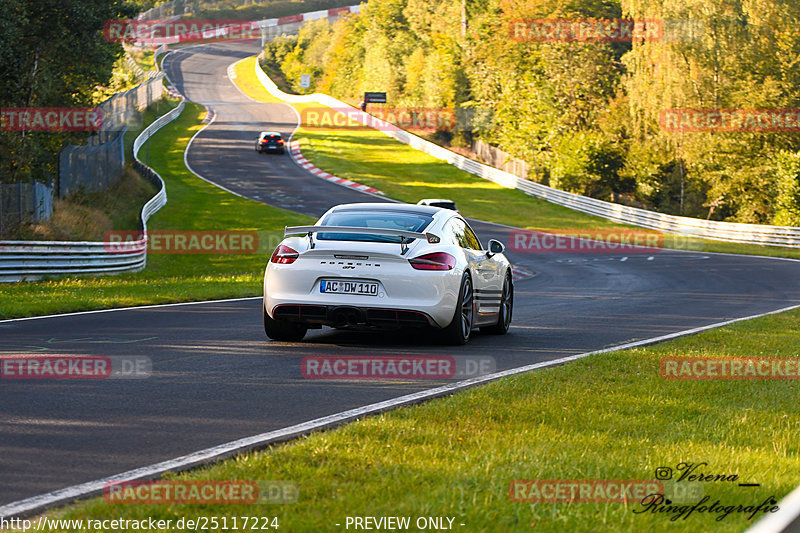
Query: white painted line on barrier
[[37, 504]]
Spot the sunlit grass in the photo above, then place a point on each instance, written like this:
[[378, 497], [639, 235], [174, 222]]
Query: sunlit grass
[[143, 58], [192, 204], [370, 157], [609, 416]]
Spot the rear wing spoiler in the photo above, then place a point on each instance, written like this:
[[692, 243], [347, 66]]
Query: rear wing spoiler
[[405, 236]]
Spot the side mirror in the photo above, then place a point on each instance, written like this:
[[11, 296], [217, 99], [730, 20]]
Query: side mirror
[[496, 247]]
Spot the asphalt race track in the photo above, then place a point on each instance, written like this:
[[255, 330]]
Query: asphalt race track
[[217, 378]]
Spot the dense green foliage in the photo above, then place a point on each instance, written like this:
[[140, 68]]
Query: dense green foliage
[[586, 114], [52, 54]]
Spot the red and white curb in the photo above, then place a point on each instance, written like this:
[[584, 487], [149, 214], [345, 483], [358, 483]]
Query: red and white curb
[[294, 152], [173, 92], [518, 273]]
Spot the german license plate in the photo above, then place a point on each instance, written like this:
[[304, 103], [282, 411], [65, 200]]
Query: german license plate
[[368, 288]]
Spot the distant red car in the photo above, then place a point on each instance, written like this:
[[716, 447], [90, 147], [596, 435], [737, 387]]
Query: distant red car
[[270, 141]]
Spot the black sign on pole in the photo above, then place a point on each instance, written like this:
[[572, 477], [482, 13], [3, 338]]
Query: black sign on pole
[[374, 98]]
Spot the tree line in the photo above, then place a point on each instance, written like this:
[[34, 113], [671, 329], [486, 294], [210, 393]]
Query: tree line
[[52, 55], [682, 106]]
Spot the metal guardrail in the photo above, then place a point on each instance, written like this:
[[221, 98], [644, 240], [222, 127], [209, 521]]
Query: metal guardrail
[[706, 229], [31, 260], [268, 28], [162, 49]]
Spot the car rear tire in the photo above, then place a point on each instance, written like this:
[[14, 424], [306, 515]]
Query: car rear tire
[[460, 329], [506, 309], [279, 330]]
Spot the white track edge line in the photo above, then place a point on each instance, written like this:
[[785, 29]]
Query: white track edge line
[[189, 145], [701, 252], [209, 109], [37, 504], [363, 192], [231, 68], [297, 127], [512, 227], [130, 308], [498, 223], [788, 512]]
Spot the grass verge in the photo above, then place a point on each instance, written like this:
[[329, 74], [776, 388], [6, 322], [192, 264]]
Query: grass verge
[[88, 216], [193, 205], [144, 119], [142, 57], [605, 417], [368, 156]]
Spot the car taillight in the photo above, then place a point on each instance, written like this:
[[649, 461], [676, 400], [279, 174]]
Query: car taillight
[[434, 261], [280, 141], [283, 255]]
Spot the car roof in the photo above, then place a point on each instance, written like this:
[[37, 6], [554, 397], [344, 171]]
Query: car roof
[[401, 208], [263, 133], [431, 200]]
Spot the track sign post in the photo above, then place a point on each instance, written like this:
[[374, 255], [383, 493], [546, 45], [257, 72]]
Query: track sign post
[[305, 80], [374, 98]]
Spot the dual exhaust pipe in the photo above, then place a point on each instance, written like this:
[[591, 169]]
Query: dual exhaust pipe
[[350, 316]]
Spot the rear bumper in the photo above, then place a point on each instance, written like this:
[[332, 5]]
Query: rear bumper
[[351, 316], [404, 294]]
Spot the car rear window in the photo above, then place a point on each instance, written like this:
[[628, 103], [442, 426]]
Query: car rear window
[[271, 137], [415, 222]]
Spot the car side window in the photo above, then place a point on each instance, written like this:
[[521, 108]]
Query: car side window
[[472, 239], [457, 227], [464, 236]]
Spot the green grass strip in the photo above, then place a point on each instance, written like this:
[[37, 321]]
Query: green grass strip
[[608, 416], [370, 157], [193, 204]]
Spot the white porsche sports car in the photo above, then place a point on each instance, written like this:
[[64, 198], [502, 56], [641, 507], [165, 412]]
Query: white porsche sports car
[[374, 265]]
